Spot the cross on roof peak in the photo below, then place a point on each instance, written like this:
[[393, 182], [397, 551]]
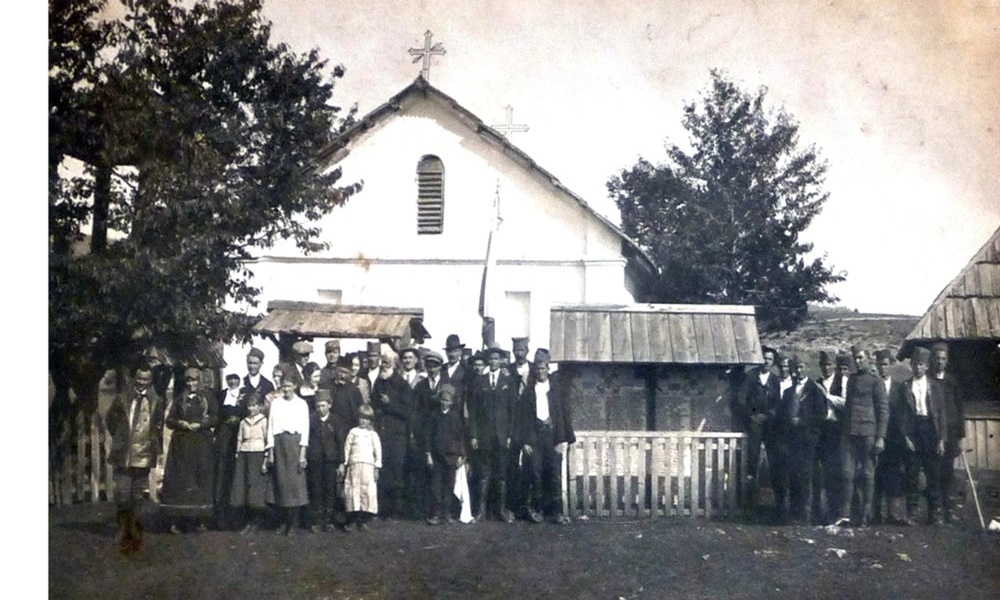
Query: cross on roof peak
[[424, 54], [507, 128]]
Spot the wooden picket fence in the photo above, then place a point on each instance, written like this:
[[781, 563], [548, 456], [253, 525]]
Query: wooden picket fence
[[84, 475], [655, 474]]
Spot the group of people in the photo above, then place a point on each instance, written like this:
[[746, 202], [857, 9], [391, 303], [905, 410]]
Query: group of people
[[408, 435], [841, 447]]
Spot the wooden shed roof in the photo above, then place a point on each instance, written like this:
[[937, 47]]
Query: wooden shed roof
[[655, 333], [317, 319], [968, 308]]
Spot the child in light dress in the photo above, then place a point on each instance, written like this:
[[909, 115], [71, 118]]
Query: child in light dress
[[362, 461], [250, 480]]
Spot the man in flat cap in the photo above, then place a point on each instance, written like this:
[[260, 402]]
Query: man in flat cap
[[922, 423], [491, 421], [326, 374], [947, 391], [866, 417], [426, 405], [301, 351], [755, 402], [544, 430]]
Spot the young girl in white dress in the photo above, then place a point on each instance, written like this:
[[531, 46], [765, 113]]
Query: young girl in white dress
[[362, 461]]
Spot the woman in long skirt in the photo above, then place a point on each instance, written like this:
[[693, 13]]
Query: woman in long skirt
[[363, 459], [287, 440], [188, 477]]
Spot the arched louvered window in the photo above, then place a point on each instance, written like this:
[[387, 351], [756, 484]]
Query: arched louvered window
[[430, 195]]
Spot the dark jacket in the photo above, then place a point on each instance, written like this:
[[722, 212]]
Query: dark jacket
[[325, 439], [445, 436], [151, 446], [560, 413], [491, 410], [803, 410], [906, 406], [462, 381], [756, 399], [867, 410], [947, 394], [392, 417], [197, 409], [264, 386], [345, 400], [893, 431], [425, 405]]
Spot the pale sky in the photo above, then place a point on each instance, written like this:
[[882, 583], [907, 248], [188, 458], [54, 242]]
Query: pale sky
[[902, 99]]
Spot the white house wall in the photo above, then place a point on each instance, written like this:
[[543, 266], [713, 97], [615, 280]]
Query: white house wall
[[548, 245]]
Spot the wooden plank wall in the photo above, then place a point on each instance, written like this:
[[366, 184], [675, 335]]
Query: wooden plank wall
[[982, 437], [654, 474]]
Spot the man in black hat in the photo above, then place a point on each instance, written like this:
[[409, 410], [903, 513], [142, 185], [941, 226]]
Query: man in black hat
[[801, 417], [866, 416], [544, 430], [491, 420], [326, 374], [455, 373], [922, 421], [947, 392], [756, 401]]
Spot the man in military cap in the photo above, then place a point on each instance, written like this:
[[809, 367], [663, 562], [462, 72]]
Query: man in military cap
[[866, 417], [326, 374], [491, 420]]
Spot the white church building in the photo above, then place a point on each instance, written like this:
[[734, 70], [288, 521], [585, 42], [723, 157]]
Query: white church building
[[435, 176]]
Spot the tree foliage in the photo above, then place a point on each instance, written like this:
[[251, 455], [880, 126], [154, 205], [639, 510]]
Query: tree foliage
[[723, 219], [200, 135]]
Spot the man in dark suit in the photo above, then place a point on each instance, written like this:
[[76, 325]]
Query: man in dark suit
[[301, 351], [802, 414], [457, 374], [866, 416], [491, 423], [921, 422], [544, 430], [889, 470], [947, 392], [253, 381], [826, 466], [756, 401], [445, 453], [323, 457]]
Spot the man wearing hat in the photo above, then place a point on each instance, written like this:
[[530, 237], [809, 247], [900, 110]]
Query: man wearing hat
[[253, 381], [425, 406], [455, 373], [544, 429], [491, 421], [889, 470], [827, 472], [520, 368], [374, 359], [332, 351], [947, 391], [866, 417], [301, 351], [756, 401], [922, 422]]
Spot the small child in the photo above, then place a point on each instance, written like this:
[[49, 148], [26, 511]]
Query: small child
[[250, 475], [363, 459], [325, 455], [445, 453]]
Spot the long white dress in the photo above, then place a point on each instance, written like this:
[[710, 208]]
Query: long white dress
[[362, 455]]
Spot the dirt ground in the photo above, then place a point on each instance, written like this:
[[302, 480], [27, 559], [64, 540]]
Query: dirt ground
[[596, 558]]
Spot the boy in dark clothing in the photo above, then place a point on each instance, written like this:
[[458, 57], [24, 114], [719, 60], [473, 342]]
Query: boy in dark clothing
[[445, 453], [324, 455]]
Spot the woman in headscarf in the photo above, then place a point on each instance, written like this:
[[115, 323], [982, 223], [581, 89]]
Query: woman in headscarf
[[188, 477]]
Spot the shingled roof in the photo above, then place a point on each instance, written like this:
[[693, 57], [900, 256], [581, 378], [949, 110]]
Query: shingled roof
[[340, 147], [968, 308]]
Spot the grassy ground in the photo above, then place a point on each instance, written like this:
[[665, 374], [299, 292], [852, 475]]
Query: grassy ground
[[675, 558]]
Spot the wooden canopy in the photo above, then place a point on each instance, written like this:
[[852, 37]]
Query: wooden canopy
[[655, 333], [317, 319], [968, 308]]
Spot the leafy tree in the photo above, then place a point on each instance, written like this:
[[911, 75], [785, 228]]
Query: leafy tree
[[723, 219], [200, 137]]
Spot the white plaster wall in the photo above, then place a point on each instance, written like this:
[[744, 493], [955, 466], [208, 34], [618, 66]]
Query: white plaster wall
[[547, 245]]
